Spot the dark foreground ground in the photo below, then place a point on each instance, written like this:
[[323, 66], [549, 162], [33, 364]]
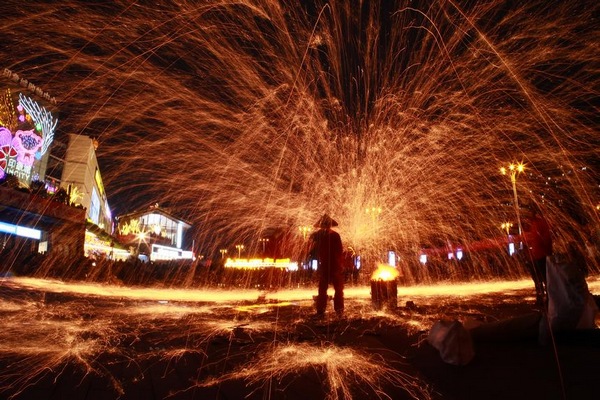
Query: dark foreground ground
[[68, 342]]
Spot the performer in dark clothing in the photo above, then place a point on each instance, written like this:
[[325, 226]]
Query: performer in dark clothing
[[326, 246]]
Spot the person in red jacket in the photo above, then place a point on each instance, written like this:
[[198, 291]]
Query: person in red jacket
[[538, 239], [326, 246]]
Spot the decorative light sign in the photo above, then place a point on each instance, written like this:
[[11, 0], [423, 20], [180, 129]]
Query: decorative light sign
[[20, 231], [28, 85], [163, 253], [25, 136], [258, 263], [98, 180]]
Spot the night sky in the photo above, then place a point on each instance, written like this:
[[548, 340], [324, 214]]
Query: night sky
[[172, 90]]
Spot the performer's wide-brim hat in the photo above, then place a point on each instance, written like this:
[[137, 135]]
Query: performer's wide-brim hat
[[326, 222]]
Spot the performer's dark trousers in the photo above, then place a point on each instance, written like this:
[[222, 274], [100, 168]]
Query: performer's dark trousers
[[336, 278], [538, 274]]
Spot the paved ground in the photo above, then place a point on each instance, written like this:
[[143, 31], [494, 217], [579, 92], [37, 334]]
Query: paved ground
[[58, 344]]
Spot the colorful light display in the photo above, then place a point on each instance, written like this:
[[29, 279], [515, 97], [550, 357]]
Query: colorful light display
[[258, 263], [26, 134]]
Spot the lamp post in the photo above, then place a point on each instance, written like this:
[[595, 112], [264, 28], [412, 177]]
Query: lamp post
[[512, 171], [264, 241], [223, 252], [239, 248], [373, 212], [305, 230], [506, 226]]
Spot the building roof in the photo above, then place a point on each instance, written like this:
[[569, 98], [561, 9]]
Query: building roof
[[154, 209]]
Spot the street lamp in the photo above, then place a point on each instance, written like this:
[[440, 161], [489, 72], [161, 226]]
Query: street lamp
[[223, 252], [373, 211], [506, 226], [305, 230], [513, 170], [239, 248], [264, 241]]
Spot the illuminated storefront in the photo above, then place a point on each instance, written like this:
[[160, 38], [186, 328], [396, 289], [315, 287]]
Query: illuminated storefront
[[22, 231], [36, 224], [97, 247], [154, 232]]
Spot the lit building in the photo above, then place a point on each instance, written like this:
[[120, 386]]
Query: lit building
[[155, 233], [82, 180], [72, 216]]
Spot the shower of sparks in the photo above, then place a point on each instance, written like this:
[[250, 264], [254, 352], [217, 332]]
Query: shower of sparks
[[342, 367], [36, 341], [254, 117]]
